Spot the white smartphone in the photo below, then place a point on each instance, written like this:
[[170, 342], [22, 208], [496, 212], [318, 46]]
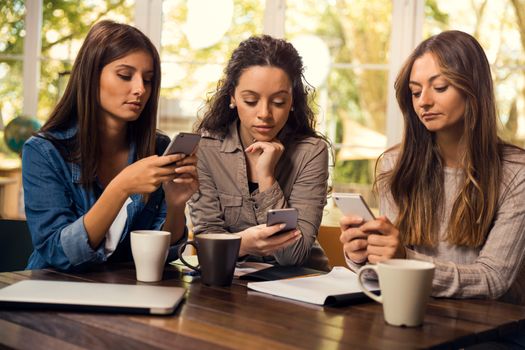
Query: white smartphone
[[353, 204], [287, 216], [184, 143]]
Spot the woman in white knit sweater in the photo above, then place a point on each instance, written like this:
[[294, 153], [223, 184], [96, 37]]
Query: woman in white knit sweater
[[451, 192]]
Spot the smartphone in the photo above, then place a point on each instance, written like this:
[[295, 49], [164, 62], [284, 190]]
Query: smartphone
[[184, 143], [287, 216], [353, 203]]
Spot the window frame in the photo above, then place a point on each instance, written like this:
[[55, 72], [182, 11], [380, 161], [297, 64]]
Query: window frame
[[406, 34]]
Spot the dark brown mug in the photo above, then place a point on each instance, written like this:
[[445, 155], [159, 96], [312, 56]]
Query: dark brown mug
[[217, 253]]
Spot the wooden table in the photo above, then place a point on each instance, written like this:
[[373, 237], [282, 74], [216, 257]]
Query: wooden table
[[219, 318]]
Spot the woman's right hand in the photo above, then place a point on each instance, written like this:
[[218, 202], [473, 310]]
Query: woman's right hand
[[259, 240], [147, 174], [355, 241]]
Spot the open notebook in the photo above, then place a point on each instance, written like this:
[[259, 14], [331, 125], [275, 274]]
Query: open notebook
[[85, 296], [334, 288]]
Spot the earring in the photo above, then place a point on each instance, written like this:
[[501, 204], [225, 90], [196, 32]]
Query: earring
[[291, 109], [232, 105]]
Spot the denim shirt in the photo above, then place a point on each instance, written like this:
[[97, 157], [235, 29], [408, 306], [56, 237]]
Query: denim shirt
[[56, 202]]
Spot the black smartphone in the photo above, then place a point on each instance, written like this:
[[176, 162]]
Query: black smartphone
[[287, 216], [353, 203], [184, 143]]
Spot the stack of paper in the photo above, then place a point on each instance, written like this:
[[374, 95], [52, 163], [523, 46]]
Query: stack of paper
[[338, 286]]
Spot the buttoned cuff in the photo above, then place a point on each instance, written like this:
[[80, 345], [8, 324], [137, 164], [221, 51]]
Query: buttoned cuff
[[368, 275], [351, 264]]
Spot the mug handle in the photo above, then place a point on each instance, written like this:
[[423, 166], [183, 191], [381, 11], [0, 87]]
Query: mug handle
[[181, 249], [368, 293]]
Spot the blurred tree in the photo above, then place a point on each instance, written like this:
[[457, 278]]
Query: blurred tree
[[498, 37], [356, 33], [247, 20], [519, 8], [64, 25]]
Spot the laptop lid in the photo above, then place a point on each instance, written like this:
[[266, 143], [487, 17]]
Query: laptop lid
[[86, 296]]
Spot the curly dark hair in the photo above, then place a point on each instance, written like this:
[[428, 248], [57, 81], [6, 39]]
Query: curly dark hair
[[262, 51]]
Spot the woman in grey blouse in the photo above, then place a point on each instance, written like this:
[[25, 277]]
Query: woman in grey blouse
[[260, 151], [452, 192]]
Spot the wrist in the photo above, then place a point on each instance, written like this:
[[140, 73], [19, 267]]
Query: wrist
[[265, 183], [242, 248], [176, 207], [116, 190]]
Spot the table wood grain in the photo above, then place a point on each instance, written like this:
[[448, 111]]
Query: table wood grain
[[237, 318]]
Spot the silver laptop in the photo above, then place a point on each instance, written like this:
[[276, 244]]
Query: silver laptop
[[85, 296]]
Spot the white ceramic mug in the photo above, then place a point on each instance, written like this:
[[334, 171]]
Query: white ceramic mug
[[150, 250], [405, 288]]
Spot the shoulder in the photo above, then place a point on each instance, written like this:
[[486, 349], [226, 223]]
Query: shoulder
[[46, 141], [388, 159], [209, 146], [208, 138], [309, 144], [161, 137], [39, 144], [161, 142], [512, 154], [513, 161], [212, 141], [39, 153]]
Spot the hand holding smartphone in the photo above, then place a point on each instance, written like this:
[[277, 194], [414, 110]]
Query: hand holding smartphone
[[287, 216], [184, 143], [353, 204]]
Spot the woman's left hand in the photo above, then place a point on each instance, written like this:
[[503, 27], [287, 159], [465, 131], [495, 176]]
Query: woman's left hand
[[383, 240], [269, 154], [185, 183]]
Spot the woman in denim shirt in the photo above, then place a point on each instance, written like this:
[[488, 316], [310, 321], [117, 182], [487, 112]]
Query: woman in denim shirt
[[93, 173]]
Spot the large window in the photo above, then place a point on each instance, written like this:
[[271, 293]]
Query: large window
[[350, 47], [345, 46], [64, 25], [501, 32], [11, 55], [196, 42]]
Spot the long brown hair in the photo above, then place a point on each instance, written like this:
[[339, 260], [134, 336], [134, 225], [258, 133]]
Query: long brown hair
[[262, 50], [106, 42], [416, 182]]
